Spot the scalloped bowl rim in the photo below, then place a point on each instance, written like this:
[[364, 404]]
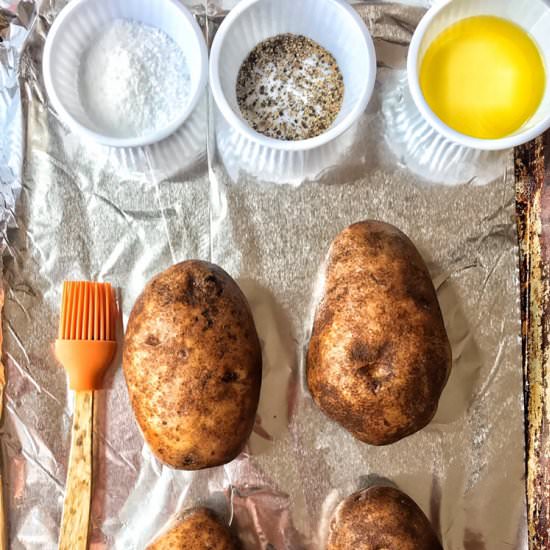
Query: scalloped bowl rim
[[138, 141], [299, 145], [500, 144]]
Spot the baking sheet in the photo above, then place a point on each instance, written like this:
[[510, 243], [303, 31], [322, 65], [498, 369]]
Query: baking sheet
[[88, 212], [532, 177]]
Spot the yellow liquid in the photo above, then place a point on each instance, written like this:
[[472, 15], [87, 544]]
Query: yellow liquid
[[484, 77]]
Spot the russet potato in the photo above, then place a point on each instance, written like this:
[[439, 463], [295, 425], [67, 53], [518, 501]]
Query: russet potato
[[193, 366], [380, 518], [379, 356], [199, 529]]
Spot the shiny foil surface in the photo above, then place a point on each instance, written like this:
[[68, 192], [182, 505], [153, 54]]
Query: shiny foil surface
[[73, 210]]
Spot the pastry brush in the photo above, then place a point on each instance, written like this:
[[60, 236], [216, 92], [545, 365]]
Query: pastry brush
[[85, 346]]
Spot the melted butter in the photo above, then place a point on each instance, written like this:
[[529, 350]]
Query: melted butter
[[484, 77]]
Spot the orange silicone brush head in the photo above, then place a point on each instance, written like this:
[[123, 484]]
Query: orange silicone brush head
[[86, 342]]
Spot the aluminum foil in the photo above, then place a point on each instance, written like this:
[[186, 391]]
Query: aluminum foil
[[83, 211]]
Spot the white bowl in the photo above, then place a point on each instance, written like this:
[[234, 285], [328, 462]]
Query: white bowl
[[532, 15], [73, 31], [333, 24]]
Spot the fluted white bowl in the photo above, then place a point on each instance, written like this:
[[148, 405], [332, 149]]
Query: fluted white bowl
[[532, 15], [333, 24], [74, 30]]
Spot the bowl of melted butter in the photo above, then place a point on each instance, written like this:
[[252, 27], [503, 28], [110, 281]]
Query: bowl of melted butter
[[477, 71]]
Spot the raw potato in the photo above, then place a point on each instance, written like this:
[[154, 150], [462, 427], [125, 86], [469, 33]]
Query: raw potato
[[380, 518], [200, 529], [193, 366], [379, 356]]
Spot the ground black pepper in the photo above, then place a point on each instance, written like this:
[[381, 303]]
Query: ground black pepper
[[290, 88]]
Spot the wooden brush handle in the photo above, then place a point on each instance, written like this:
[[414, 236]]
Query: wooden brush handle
[[78, 490]]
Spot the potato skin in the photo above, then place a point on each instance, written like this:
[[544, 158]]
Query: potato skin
[[380, 517], [193, 365], [200, 529], [379, 356]]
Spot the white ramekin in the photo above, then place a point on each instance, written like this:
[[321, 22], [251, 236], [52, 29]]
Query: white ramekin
[[79, 23], [531, 15], [333, 24]]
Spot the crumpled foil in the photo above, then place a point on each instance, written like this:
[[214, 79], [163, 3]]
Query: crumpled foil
[[74, 210]]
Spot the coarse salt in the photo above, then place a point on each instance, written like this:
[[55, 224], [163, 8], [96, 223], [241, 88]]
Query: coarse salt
[[133, 80]]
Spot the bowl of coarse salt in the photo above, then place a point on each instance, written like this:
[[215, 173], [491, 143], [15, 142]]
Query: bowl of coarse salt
[[125, 74], [291, 76]]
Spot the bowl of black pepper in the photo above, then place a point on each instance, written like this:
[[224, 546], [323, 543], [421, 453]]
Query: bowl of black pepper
[[292, 75]]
